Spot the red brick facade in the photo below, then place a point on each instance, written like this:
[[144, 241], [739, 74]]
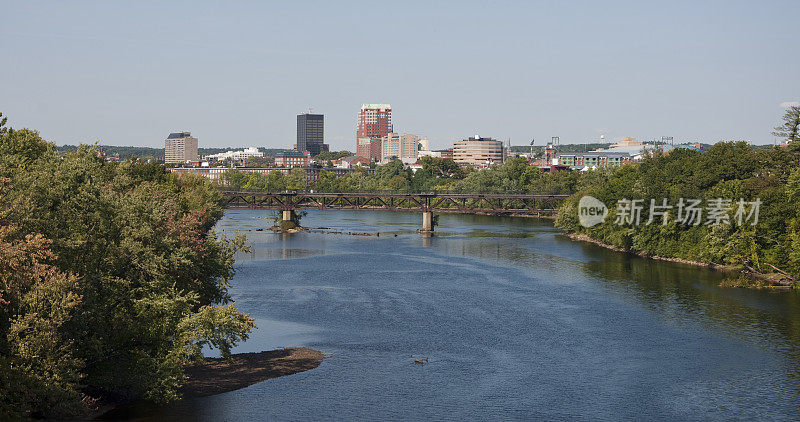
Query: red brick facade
[[374, 122], [293, 159]]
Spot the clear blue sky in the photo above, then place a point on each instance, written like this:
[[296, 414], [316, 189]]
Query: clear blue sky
[[237, 74]]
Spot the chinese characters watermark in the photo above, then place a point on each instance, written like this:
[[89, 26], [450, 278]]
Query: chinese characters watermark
[[688, 212]]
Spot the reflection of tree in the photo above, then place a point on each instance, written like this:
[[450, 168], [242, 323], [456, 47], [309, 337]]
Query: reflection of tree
[[685, 294], [680, 294]]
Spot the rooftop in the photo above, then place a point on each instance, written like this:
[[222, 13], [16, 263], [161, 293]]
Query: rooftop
[[179, 135], [379, 106]]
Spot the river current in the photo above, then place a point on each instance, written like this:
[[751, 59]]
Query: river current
[[518, 322]]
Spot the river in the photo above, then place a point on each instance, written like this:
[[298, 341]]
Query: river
[[518, 322]]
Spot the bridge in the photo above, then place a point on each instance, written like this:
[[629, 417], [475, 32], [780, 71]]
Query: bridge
[[426, 203]]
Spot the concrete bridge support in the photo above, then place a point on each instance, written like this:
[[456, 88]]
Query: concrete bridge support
[[287, 215], [427, 221]]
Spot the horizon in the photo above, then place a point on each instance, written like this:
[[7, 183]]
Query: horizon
[[129, 74]]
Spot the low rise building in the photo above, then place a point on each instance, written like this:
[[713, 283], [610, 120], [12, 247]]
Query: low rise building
[[251, 152], [428, 153], [446, 153], [593, 159], [627, 142], [352, 161], [293, 159]]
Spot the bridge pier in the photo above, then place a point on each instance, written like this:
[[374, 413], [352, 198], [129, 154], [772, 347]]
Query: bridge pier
[[427, 222], [287, 215]]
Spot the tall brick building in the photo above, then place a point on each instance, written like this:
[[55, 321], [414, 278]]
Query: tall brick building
[[374, 122]]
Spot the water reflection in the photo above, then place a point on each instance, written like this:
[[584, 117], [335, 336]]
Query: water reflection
[[519, 322]]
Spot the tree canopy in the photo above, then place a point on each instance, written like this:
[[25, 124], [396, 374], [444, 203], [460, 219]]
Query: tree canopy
[[111, 278], [732, 171], [788, 130]]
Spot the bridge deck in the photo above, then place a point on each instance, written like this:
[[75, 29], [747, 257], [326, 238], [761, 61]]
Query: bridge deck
[[460, 203]]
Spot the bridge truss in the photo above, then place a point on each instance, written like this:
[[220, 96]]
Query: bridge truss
[[444, 203]]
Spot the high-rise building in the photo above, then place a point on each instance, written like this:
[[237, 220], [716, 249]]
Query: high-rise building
[[310, 133], [402, 147], [477, 151], [374, 122], [409, 148], [180, 147], [390, 147]]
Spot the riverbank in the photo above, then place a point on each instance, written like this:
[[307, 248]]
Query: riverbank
[[771, 281], [218, 375]]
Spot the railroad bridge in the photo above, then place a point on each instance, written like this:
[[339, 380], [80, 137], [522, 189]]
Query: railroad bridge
[[426, 203]]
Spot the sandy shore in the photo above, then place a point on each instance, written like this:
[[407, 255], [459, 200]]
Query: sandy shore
[[215, 376]]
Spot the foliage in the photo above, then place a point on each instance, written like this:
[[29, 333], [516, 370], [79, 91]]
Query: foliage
[[790, 127], [287, 225], [727, 170], [39, 374], [332, 155], [112, 278], [435, 175], [3, 128]]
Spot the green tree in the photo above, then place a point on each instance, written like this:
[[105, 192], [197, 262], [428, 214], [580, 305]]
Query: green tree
[[234, 179], [3, 128], [133, 270], [296, 180], [788, 130]]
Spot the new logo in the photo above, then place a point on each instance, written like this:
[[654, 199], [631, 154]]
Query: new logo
[[591, 211]]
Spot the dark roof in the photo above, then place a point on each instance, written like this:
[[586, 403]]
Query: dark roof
[[179, 135]]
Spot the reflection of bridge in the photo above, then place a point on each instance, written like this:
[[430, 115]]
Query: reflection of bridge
[[427, 203]]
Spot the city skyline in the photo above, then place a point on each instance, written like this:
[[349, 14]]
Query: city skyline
[[697, 72]]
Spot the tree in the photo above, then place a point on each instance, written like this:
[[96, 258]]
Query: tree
[[234, 179], [296, 180], [326, 182], [3, 128], [19, 148], [789, 129], [132, 268], [39, 373], [332, 155], [728, 170]]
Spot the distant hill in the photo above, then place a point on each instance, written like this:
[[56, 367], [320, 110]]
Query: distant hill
[[158, 153], [561, 148]]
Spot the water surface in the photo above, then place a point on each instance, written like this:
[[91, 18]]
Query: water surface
[[518, 322]]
